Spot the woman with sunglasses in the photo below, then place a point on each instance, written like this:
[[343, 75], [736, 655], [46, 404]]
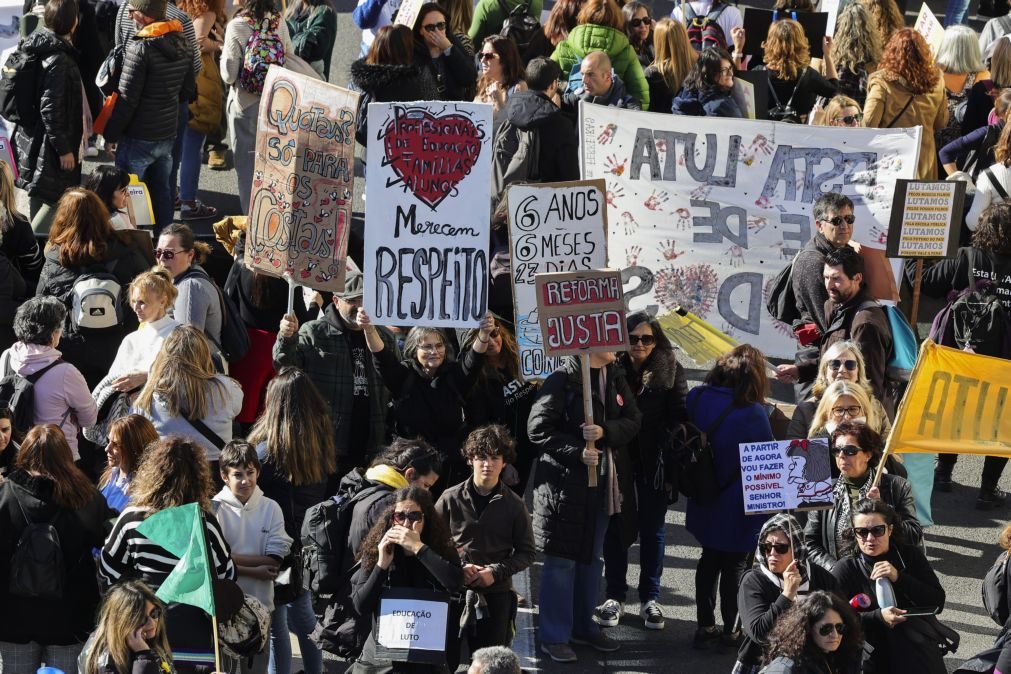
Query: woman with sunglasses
[[842, 111], [782, 576], [442, 54], [639, 30], [706, 89], [131, 635], [501, 72], [820, 634], [896, 575], [409, 547], [857, 450]]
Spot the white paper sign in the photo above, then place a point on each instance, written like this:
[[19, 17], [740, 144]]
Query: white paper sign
[[428, 219], [786, 475], [413, 624]]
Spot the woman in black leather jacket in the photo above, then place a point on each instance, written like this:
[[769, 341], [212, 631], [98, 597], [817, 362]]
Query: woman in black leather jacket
[[443, 55]]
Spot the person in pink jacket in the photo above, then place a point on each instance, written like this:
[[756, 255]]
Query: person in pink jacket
[[62, 396]]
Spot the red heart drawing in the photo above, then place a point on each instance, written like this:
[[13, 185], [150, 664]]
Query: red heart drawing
[[306, 273], [324, 202], [431, 154]]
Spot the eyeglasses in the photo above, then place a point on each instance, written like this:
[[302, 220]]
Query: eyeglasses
[[412, 516], [848, 450], [429, 348], [645, 21], [851, 411], [838, 220], [727, 71], [155, 614], [780, 548], [166, 253], [487, 56], [494, 333], [863, 533], [645, 340], [827, 629], [850, 120], [432, 27], [836, 364]]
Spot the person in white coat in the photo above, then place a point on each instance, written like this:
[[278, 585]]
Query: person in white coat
[[994, 183]]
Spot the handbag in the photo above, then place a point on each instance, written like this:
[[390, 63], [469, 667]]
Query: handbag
[[205, 111]]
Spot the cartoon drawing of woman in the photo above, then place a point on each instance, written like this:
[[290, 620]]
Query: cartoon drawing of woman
[[811, 470]]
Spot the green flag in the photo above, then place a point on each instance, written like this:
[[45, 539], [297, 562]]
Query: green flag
[[181, 532]]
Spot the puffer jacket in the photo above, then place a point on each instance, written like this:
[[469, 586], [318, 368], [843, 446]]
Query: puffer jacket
[[589, 37], [711, 103], [564, 506], [558, 159], [61, 113], [157, 76]]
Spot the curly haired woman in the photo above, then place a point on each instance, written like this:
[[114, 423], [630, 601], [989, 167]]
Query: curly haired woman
[[856, 50], [819, 634]]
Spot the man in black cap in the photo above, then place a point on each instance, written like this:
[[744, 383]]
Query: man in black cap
[[332, 352]]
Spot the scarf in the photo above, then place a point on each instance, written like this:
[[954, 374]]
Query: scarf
[[844, 520]]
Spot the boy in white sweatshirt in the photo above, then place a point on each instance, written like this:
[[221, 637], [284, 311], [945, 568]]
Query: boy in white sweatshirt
[[253, 525]]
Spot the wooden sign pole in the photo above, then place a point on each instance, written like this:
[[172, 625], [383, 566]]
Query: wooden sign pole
[[917, 282], [584, 361]]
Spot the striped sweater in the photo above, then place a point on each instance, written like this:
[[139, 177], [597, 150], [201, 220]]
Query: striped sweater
[[126, 29]]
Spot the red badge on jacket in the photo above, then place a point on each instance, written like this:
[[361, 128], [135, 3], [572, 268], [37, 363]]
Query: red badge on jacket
[[621, 401]]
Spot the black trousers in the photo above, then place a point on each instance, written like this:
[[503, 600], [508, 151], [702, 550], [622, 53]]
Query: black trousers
[[497, 627], [993, 466], [718, 570]]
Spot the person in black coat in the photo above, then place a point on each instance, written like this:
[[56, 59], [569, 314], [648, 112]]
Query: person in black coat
[[443, 55], [571, 518], [48, 150], [792, 81], [17, 240], [781, 575], [660, 387]]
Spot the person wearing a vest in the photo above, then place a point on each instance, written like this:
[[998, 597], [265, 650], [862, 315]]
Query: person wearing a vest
[[710, 23]]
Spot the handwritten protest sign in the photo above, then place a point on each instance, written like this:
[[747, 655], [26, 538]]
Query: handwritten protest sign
[[930, 28], [300, 208], [786, 475], [412, 625], [407, 15], [925, 218], [427, 223], [552, 227], [708, 210], [581, 312]]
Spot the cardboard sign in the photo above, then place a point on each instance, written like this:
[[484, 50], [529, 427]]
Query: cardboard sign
[[7, 153], [582, 312], [412, 626], [553, 227], [930, 28], [303, 178], [743, 94], [757, 22], [428, 222], [407, 15], [926, 218], [697, 339], [786, 475]]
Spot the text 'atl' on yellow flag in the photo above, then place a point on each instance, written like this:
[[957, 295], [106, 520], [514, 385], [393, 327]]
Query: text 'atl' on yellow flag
[[700, 341], [955, 403]]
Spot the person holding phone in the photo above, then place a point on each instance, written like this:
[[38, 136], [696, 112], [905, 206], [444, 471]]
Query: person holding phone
[[781, 575]]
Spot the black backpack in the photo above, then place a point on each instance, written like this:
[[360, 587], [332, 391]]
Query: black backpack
[[516, 156], [974, 320], [19, 89], [519, 25], [782, 302], [995, 599], [17, 393], [785, 113], [705, 31], [234, 338], [693, 454], [37, 570]]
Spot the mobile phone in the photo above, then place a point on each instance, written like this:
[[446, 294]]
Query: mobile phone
[[920, 611]]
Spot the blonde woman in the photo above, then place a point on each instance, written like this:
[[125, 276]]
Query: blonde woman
[[131, 635], [674, 60], [185, 396], [842, 111], [792, 80], [856, 50], [847, 401], [17, 240]]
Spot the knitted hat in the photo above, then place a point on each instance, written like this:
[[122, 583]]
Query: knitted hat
[[154, 9]]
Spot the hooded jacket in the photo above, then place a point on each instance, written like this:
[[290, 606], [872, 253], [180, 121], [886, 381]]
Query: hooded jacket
[[709, 103], [588, 37], [61, 120], [558, 158], [157, 76], [378, 485]]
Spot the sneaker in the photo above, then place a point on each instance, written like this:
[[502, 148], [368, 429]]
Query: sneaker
[[609, 613], [599, 641], [216, 160], [705, 637], [91, 151], [989, 499], [942, 481], [559, 652], [196, 210], [652, 618]]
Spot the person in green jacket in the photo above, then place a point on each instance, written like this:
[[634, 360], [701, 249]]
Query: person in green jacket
[[602, 28], [488, 16], [313, 28]]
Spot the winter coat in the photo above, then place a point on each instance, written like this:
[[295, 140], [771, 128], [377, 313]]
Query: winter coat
[[986, 192], [885, 100], [722, 525], [383, 481], [488, 17], [983, 265], [12, 290], [51, 622], [646, 52], [198, 304], [711, 103], [61, 120], [294, 500], [565, 508], [801, 665], [313, 36], [808, 281], [588, 37], [616, 97], [22, 249], [454, 73], [141, 662], [383, 83], [661, 98], [158, 75], [869, 328], [558, 158]]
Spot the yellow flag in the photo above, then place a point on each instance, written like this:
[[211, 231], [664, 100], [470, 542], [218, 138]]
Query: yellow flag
[[955, 403], [700, 341]]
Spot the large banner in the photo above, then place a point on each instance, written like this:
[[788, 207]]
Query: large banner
[[956, 402], [300, 203], [427, 220], [552, 227], [704, 211]]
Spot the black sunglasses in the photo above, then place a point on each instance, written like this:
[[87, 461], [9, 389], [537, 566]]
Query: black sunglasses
[[827, 628], [487, 55], [635, 23], [780, 548], [836, 364], [864, 532], [848, 450], [408, 516], [837, 220], [850, 120], [165, 253], [432, 27], [645, 340]]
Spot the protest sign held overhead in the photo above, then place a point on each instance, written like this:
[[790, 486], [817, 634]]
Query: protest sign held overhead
[[582, 312], [930, 28], [786, 475], [428, 223], [711, 209], [926, 218], [697, 339], [300, 208], [552, 227]]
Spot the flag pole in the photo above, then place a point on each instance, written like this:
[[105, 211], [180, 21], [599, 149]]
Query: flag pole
[[214, 613], [217, 649]]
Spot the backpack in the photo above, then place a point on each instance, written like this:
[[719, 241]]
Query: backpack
[[787, 114], [17, 393], [97, 299], [693, 454], [995, 599], [705, 31], [37, 570], [905, 346], [519, 25], [974, 320], [263, 49], [516, 155], [19, 89], [781, 302], [234, 338], [248, 631], [107, 79]]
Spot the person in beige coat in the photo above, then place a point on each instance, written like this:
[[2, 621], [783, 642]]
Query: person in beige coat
[[908, 90]]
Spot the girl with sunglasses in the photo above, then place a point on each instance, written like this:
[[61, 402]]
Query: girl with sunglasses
[[842, 111], [131, 635], [501, 72], [856, 450], [409, 547], [820, 634], [781, 577], [884, 553], [639, 30]]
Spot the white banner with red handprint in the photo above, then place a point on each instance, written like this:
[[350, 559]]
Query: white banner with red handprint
[[428, 217], [300, 203], [705, 211]]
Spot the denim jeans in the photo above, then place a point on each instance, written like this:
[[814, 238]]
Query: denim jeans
[[569, 591], [956, 12], [182, 123], [189, 166], [299, 618], [652, 510], [151, 160]]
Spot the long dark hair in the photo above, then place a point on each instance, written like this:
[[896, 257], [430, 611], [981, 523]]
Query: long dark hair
[[428, 8], [256, 9], [45, 451], [393, 46], [705, 73], [791, 636], [105, 181], [435, 534]]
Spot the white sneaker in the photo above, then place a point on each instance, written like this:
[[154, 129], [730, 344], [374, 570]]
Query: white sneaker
[[652, 617], [609, 613]]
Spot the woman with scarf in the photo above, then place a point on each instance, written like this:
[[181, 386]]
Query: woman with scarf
[[857, 451], [781, 575]]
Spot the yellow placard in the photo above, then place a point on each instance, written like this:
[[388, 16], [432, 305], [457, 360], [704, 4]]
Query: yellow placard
[[955, 403], [700, 341]]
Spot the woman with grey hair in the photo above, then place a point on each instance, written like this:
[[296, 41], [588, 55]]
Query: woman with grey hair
[[429, 388], [961, 61], [61, 395], [494, 660]]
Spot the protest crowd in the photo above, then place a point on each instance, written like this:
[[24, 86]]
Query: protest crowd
[[199, 463]]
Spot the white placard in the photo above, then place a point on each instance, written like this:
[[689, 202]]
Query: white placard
[[413, 624], [786, 475]]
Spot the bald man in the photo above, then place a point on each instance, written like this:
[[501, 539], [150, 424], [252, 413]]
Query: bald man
[[600, 86]]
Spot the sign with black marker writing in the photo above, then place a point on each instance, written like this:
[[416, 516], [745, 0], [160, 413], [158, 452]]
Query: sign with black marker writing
[[427, 220], [786, 475], [926, 218], [412, 625], [553, 227], [581, 312]]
